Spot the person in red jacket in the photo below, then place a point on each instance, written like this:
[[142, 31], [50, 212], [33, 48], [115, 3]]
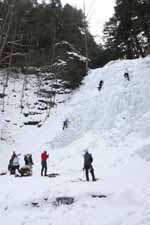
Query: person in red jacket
[[44, 157]]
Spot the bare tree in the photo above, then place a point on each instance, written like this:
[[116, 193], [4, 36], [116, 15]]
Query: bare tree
[[22, 93], [8, 20]]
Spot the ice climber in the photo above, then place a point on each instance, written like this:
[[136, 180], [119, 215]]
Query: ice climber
[[65, 124], [126, 76], [101, 83], [88, 159]]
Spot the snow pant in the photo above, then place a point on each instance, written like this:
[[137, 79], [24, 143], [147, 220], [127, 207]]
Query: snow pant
[[65, 125], [87, 169], [16, 168], [99, 87], [11, 169], [44, 168], [126, 75]]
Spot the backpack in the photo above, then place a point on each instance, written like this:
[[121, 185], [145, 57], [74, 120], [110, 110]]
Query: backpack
[[88, 159], [28, 159]]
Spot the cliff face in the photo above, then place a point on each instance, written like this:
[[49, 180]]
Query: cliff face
[[69, 64], [112, 123]]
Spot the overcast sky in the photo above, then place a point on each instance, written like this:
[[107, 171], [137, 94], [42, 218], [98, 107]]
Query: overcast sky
[[97, 11]]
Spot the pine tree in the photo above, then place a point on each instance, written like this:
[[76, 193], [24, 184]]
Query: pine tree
[[128, 29], [38, 27]]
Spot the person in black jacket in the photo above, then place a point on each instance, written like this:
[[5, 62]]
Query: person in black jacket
[[28, 159], [126, 76], [65, 124], [101, 83], [88, 159]]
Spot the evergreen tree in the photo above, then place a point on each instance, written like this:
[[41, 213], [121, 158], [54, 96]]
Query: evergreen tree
[[127, 32], [30, 32]]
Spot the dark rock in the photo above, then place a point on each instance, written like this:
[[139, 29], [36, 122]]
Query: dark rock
[[49, 77], [56, 86], [2, 95], [35, 204], [47, 93], [34, 113], [99, 196], [44, 101], [3, 173], [6, 208], [49, 103], [32, 123], [7, 121], [35, 103], [26, 114], [53, 175], [30, 70], [42, 108], [73, 68], [64, 201]]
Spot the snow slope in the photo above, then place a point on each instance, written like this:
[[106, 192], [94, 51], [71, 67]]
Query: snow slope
[[114, 125]]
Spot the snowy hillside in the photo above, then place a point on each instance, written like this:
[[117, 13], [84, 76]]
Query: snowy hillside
[[113, 124]]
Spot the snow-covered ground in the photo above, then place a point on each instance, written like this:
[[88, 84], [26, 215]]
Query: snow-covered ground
[[114, 125]]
